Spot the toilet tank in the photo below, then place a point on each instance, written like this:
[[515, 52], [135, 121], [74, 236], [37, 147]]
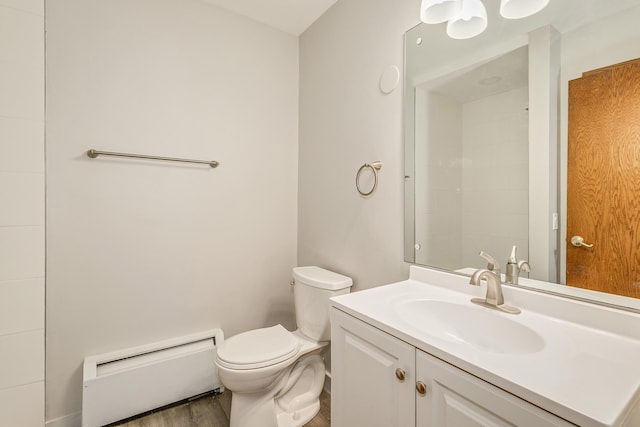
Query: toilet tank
[[313, 286]]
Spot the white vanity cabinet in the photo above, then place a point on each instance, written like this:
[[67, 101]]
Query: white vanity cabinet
[[377, 380], [372, 376], [456, 398]]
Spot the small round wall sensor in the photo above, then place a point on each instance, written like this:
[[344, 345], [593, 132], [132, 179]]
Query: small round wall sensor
[[419, 41], [389, 79]]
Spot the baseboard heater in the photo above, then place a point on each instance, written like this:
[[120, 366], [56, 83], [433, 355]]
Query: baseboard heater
[[128, 382]]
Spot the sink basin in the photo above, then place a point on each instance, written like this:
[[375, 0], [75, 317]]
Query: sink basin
[[479, 327]]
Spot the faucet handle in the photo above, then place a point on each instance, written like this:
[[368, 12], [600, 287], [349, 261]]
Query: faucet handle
[[492, 264], [524, 266], [515, 266]]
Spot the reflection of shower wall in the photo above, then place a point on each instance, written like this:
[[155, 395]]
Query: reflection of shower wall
[[495, 180], [438, 196]]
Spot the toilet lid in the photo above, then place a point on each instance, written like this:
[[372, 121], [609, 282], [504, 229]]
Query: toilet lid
[[258, 348]]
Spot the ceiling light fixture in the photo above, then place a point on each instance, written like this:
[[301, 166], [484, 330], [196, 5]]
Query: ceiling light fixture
[[468, 18]]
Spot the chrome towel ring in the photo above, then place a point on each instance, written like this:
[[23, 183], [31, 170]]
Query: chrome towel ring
[[375, 167]]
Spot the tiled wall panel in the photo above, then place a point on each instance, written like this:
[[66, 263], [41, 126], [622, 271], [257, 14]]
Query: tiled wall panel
[[35, 7], [22, 191], [21, 305], [22, 358], [22, 196], [21, 252], [495, 148], [22, 147], [18, 406]]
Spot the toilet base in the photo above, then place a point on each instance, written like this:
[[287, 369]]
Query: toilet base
[[300, 417], [293, 402], [252, 410]]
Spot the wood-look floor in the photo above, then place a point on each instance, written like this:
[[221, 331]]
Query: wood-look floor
[[210, 411]]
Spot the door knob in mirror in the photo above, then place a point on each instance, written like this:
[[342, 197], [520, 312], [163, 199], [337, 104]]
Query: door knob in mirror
[[578, 241]]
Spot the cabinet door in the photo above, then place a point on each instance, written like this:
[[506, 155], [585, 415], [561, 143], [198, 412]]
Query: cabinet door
[[455, 398], [372, 381]]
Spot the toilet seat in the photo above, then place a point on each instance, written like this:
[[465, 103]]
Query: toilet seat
[[258, 348]]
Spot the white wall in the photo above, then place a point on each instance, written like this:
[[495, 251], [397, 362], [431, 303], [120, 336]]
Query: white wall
[[345, 121], [474, 195], [22, 213], [496, 174], [142, 251], [438, 178]]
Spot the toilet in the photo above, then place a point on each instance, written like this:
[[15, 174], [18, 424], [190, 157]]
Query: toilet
[[276, 376]]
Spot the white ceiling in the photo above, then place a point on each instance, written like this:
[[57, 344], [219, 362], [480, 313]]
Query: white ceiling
[[290, 16], [508, 72]]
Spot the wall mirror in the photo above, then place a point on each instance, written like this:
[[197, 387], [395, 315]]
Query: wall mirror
[[491, 158]]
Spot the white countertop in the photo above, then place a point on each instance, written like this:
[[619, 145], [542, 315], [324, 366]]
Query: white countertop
[[587, 372]]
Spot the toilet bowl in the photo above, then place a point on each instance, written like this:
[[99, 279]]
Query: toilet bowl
[[276, 376]]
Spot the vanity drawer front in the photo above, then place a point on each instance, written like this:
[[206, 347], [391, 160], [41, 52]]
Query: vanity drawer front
[[456, 398]]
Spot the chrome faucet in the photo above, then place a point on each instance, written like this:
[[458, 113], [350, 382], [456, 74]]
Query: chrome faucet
[[494, 287], [494, 298]]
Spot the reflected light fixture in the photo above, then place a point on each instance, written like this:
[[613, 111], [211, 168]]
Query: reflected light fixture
[[468, 18], [437, 11], [469, 21], [516, 9]]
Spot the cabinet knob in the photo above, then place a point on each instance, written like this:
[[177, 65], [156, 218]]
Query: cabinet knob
[[400, 374], [421, 388]]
